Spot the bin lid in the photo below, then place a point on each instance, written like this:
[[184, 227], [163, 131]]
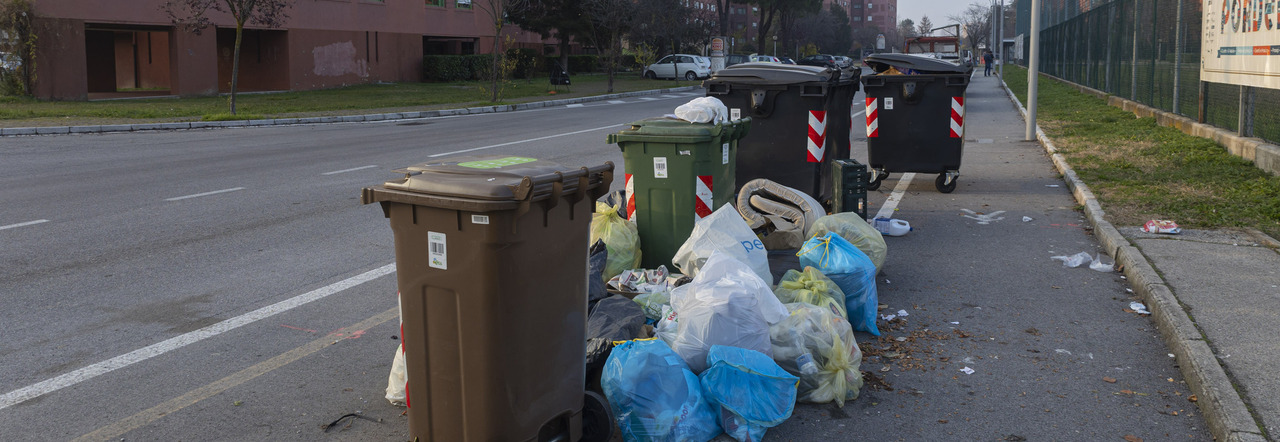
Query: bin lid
[[480, 177], [762, 73], [679, 131], [924, 65]]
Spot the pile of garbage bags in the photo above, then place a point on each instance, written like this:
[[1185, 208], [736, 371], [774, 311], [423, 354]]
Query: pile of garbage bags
[[720, 348]]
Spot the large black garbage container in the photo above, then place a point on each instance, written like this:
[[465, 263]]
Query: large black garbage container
[[800, 117], [915, 117]]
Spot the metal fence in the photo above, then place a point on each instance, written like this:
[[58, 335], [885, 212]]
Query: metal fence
[[1148, 51]]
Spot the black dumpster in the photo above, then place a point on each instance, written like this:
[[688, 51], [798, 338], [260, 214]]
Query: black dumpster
[[915, 117], [800, 118]]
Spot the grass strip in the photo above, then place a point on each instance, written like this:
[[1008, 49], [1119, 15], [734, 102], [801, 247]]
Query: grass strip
[[360, 99], [1140, 170]]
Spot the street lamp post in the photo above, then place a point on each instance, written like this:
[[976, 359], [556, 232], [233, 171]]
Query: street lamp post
[[775, 46]]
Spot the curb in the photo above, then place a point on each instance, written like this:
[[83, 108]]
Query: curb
[[1224, 410], [112, 128]]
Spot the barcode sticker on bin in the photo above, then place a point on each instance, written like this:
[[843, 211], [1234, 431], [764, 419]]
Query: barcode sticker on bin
[[437, 255], [479, 219], [735, 114], [888, 103], [659, 167], [724, 154]]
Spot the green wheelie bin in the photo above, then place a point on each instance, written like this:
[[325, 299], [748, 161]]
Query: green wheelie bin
[[677, 172]]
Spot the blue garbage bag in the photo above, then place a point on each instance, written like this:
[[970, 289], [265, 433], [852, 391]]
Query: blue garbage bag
[[852, 270], [751, 391], [654, 395]]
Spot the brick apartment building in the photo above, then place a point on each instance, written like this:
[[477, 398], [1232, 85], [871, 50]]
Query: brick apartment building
[[93, 47]]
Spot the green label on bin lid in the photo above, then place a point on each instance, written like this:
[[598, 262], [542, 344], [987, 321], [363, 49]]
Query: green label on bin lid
[[498, 163]]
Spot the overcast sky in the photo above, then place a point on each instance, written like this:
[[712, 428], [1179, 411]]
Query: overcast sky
[[937, 10]]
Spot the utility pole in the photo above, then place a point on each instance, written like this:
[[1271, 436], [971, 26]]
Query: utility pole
[[1033, 72]]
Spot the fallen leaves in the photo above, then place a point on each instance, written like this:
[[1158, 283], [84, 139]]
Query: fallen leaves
[[1109, 380], [1193, 398], [1132, 438]]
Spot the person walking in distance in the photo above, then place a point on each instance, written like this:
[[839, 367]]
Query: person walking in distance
[[987, 59]]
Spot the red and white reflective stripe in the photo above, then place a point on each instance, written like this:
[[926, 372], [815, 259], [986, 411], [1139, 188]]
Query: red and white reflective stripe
[[817, 136], [630, 195], [702, 204], [957, 117], [873, 118]]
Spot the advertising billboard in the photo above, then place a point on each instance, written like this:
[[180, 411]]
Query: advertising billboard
[[1240, 43]]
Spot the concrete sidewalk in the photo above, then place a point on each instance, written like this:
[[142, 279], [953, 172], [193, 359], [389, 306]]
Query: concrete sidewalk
[[1215, 296]]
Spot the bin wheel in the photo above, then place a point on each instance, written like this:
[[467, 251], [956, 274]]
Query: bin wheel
[[875, 184], [597, 418], [942, 185], [690, 76]]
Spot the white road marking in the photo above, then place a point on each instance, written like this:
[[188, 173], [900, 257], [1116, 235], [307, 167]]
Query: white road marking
[[891, 204], [176, 198], [648, 98], [611, 126], [573, 105], [57, 383], [28, 223], [353, 169], [617, 102]]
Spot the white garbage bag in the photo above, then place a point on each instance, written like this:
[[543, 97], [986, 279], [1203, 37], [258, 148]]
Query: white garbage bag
[[724, 231], [726, 304]]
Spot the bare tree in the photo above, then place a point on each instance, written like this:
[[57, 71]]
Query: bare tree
[[17, 48], [975, 22], [610, 20], [925, 27], [193, 16], [497, 11]]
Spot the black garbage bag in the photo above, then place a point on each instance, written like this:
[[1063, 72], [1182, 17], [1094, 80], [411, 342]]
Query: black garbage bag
[[615, 318], [597, 256]]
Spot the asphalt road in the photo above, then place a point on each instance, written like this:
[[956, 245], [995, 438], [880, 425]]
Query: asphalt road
[[228, 285]]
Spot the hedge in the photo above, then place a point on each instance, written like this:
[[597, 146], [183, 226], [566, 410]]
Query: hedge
[[449, 68]]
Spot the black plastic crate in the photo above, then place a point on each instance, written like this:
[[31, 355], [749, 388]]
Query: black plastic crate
[[850, 187]]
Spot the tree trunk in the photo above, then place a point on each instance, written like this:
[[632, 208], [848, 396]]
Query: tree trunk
[[235, 64], [497, 43]]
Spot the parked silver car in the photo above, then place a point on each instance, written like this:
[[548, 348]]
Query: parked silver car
[[689, 67]]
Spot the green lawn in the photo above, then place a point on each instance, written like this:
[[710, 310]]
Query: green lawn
[[1141, 171], [372, 98]]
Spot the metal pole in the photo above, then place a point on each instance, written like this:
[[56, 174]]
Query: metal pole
[[1133, 65], [1111, 24], [1177, 60], [1244, 123], [1000, 39], [1154, 16], [1033, 72]]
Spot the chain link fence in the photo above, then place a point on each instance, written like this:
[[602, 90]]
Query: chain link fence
[[1148, 51]]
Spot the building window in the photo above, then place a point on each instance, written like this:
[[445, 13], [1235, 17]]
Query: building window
[[868, 18], [857, 18], [463, 4], [437, 3]]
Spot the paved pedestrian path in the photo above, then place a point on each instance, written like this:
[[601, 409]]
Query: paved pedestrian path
[[1215, 296]]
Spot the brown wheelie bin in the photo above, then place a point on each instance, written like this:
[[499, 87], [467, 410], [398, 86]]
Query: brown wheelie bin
[[491, 256]]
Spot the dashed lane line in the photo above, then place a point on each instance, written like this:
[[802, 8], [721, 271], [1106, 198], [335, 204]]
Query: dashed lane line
[[75, 377]]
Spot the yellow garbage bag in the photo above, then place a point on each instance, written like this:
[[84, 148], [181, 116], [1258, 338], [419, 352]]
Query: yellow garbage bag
[[818, 347], [621, 239], [811, 287]]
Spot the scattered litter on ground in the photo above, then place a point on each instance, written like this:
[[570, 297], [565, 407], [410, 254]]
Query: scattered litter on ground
[[1137, 307], [1063, 351], [902, 313], [966, 370], [983, 218], [1161, 226], [1079, 259], [955, 322], [1026, 219]]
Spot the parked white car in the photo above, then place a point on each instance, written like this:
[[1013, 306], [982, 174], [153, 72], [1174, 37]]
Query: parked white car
[[764, 58], [688, 67]]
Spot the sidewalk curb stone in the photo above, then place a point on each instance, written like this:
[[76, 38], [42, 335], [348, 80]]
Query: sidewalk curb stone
[[1224, 410]]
